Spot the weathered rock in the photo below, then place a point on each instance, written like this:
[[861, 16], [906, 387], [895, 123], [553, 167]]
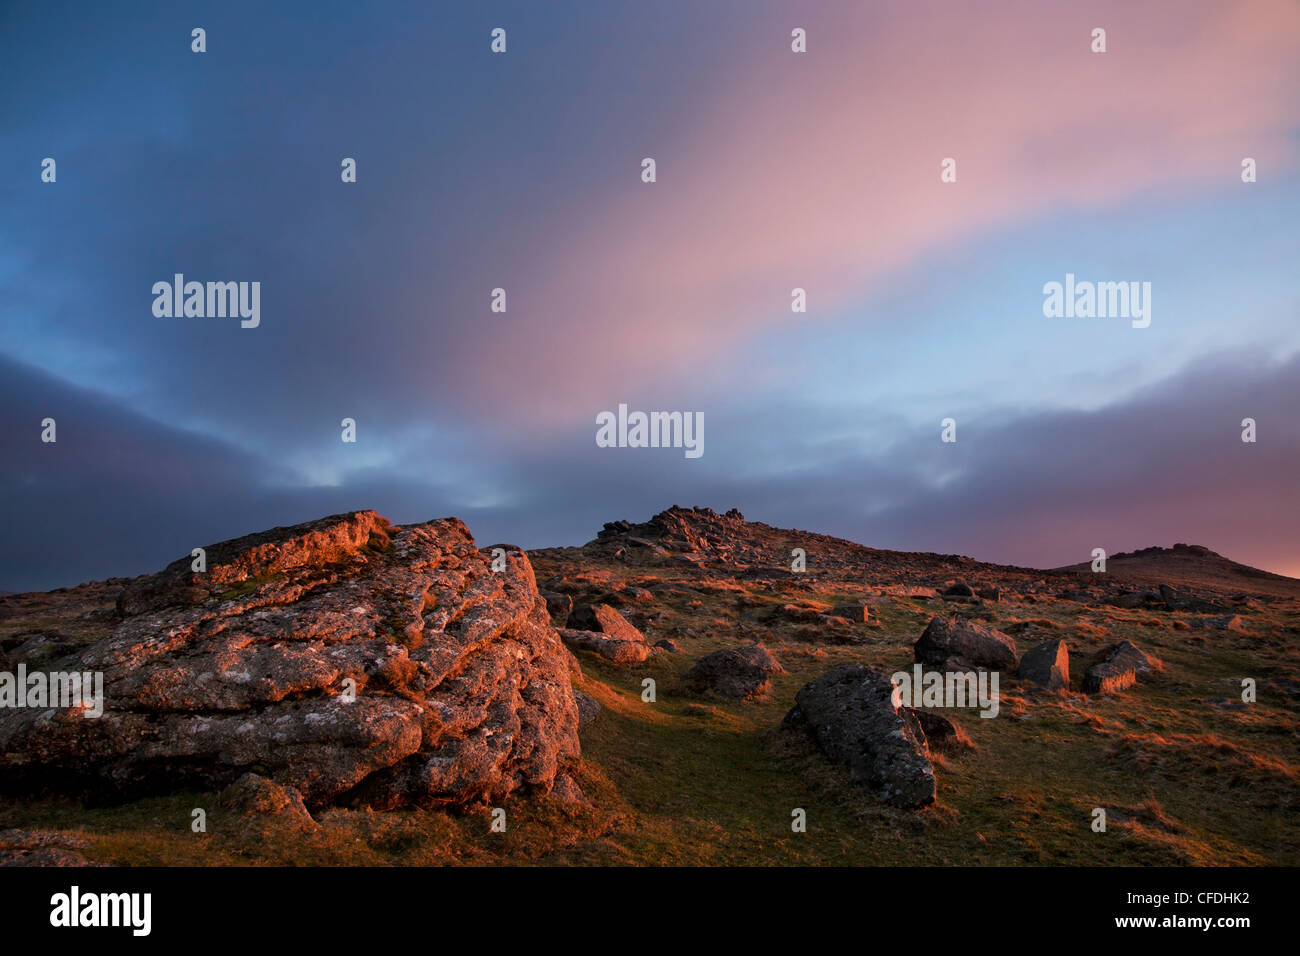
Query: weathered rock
[[1118, 667], [954, 643], [993, 595], [857, 613], [1047, 665], [959, 589], [669, 645], [623, 652], [255, 795], [43, 848], [256, 556], [603, 619], [462, 688], [850, 712], [736, 672]]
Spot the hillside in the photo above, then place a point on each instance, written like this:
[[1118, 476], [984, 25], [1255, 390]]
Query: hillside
[[705, 679], [1190, 565]]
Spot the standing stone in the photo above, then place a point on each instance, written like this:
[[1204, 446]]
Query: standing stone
[[1047, 665]]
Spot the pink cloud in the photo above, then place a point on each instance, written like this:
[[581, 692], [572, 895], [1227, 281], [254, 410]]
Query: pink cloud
[[822, 171]]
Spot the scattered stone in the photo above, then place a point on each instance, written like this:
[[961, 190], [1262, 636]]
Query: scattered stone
[[1225, 622], [850, 713], [1118, 667], [954, 643], [603, 619], [1047, 665], [669, 645], [857, 613], [736, 672], [800, 613], [622, 652], [960, 589], [993, 595], [606, 632], [255, 795]]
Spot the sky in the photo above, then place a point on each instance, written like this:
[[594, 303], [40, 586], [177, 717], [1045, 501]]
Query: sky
[[774, 170]]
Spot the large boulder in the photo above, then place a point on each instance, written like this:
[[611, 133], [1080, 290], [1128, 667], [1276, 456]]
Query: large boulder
[[850, 712], [736, 672], [1047, 665], [343, 658], [1118, 667], [603, 619], [954, 643]]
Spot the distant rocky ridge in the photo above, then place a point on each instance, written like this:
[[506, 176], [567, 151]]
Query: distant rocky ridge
[[1191, 566], [346, 658], [704, 539]]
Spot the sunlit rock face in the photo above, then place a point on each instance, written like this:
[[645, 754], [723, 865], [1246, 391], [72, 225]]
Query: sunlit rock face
[[348, 658]]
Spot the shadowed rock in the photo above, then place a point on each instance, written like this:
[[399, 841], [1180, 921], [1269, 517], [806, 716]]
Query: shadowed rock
[[1047, 665], [857, 613], [588, 707], [736, 672], [851, 714], [942, 736], [954, 643], [353, 658], [559, 606]]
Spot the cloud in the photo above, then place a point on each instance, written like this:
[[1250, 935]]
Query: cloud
[[821, 171]]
